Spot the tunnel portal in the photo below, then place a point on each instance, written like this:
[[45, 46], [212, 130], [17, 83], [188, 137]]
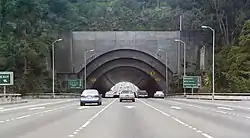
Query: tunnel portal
[[141, 69]]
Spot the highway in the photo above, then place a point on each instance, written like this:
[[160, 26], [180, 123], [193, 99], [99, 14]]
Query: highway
[[146, 118]]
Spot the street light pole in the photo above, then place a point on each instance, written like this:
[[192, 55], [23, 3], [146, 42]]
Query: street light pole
[[167, 72], [213, 30], [85, 67], [53, 67], [184, 72], [166, 69]]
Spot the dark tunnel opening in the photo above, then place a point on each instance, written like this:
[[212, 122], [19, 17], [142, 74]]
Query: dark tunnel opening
[[126, 74]]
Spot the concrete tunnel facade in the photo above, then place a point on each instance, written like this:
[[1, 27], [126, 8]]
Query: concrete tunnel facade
[[137, 67]]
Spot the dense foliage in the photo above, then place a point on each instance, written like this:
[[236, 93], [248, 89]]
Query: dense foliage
[[28, 27]]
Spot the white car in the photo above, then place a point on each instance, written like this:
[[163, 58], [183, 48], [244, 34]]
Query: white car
[[159, 94], [127, 95], [109, 94]]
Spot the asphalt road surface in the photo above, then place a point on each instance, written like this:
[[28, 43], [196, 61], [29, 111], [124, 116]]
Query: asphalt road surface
[[146, 118]]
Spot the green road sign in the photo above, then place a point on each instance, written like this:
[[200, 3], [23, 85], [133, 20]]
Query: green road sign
[[191, 82], [75, 84], [6, 78]]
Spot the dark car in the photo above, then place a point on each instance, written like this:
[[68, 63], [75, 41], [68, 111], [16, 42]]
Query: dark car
[[142, 94]]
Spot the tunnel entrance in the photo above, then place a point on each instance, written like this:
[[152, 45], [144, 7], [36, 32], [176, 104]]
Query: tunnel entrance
[[126, 74], [126, 65]]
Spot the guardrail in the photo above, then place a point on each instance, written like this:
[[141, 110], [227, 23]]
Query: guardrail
[[50, 96], [4, 98], [208, 96]]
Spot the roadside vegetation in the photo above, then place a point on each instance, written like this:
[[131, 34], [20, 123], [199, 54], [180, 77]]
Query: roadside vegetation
[[28, 27]]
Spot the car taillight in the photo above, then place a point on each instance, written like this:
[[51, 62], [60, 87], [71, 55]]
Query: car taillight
[[96, 96], [83, 96]]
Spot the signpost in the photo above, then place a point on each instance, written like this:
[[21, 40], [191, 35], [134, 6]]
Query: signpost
[[6, 78], [75, 84], [191, 82]]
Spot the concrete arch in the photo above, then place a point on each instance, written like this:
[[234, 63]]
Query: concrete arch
[[127, 62], [124, 53]]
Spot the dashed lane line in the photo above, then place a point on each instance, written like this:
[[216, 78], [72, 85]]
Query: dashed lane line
[[176, 107], [89, 120], [29, 115], [36, 108], [179, 121], [218, 111], [30, 106], [225, 108], [218, 104]]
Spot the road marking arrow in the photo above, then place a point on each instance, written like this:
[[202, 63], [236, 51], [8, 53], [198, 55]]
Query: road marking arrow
[[129, 107], [175, 107]]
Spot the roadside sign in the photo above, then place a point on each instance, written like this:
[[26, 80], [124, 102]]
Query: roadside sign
[[75, 84], [191, 82], [6, 78]]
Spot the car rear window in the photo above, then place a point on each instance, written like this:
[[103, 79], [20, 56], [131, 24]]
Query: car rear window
[[159, 92], [90, 92], [143, 93], [126, 92]]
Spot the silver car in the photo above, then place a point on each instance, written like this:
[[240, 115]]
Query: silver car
[[109, 94], [127, 95], [159, 94], [90, 96]]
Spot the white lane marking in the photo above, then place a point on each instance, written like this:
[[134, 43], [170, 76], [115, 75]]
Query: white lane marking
[[176, 107], [1, 108], [89, 120], [7, 120], [36, 108], [83, 107], [206, 135], [202, 108], [223, 112], [2, 122], [179, 121], [214, 104], [25, 116], [248, 117], [225, 108], [155, 108], [29, 106], [86, 124], [29, 115], [129, 106]]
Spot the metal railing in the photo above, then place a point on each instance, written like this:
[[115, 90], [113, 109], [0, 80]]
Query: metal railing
[[49, 95], [10, 97]]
